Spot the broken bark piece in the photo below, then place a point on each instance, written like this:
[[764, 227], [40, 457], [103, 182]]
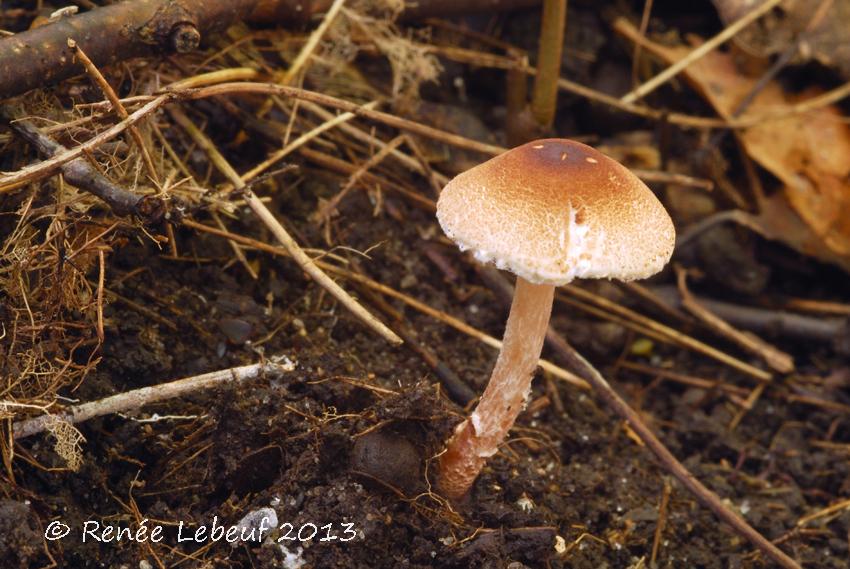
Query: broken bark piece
[[139, 28]]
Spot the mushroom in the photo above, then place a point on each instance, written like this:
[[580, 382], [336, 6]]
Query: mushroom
[[549, 211]]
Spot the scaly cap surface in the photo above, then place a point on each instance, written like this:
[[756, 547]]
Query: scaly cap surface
[[553, 210]]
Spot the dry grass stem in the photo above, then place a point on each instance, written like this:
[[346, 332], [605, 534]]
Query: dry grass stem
[[727, 34], [119, 109], [268, 218]]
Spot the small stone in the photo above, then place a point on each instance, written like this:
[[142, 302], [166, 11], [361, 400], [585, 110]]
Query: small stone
[[238, 331], [388, 457]]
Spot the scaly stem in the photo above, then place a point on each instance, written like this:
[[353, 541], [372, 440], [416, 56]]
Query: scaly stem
[[545, 94], [479, 436]]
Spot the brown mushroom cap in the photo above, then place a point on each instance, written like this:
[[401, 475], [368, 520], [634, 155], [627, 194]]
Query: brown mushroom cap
[[554, 210]]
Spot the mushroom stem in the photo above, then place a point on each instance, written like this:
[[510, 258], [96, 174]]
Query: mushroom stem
[[479, 436]]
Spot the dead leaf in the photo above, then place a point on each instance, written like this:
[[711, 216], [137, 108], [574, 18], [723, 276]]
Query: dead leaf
[[809, 152], [828, 42]]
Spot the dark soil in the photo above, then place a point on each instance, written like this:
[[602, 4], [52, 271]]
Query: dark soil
[[348, 437]]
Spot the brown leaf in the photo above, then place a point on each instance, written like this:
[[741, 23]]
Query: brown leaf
[[809, 152]]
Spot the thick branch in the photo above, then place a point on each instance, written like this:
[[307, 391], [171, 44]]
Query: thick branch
[[138, 28], [145, 28]]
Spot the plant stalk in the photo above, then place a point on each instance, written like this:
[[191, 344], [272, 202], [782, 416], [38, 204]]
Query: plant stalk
[[545, 96]]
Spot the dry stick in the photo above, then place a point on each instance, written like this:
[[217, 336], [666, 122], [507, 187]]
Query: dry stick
[[679, 337], [455, 323], [330, 122], [237, 250], [147, 395], [672, 178], [328, 207], [366, 112], [818, 402], [344, 167], [544, 97], [818, 306], [343, 105], [455, 387], [370, 139], [662, 513], [829, 510], [101, 275], [312, 43], [119, 109], [52, 165], [644, 24], [137, 28], [773, 356], [691, 380], [705, 496], [699, 52], [77, 172], [294, 250]]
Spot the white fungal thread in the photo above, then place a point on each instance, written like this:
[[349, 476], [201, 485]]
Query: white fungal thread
[[475, 419]]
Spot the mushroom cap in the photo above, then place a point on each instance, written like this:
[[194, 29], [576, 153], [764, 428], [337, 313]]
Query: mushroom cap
[[553, 210]]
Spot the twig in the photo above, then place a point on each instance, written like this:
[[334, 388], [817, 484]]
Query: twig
[[773, 356], [818, 402], [343, 105], [62, 156], [326, 209], [644, 24], [818, 306], [691, 380], [312, 43], [147, 395], [675, 335], [119, 109], [78, 172], [294, 250], [767, 321], [110, 34], [829, 510], [544, 96], [330, 122], [662, 519], [101, 275], [672, 178], [700, 51]]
